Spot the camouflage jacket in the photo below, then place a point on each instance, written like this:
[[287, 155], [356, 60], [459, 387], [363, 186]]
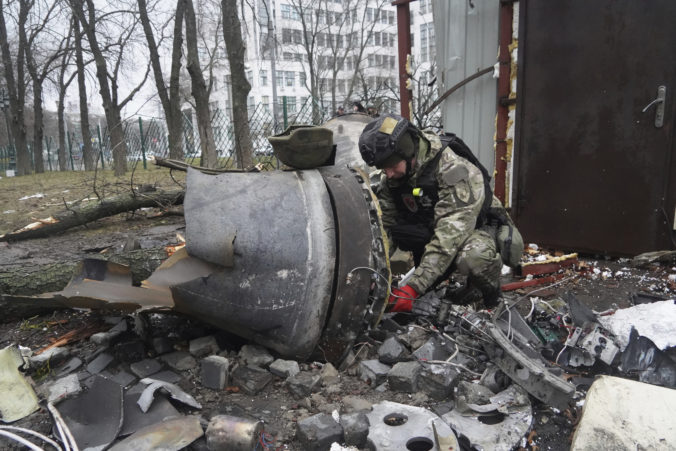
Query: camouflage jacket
[[461, 196]]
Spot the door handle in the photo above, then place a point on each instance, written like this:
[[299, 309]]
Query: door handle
[[659, 110]]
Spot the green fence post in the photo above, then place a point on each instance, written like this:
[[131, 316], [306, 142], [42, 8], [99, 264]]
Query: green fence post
[[49, 155], [143, 144], [98, 132], [70, 153], [286, 116]]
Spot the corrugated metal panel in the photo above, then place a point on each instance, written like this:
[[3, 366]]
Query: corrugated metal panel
[[467, 41]]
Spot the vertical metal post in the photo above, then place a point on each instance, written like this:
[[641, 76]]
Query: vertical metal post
[[70, 153], [98, 131], [404, 50], [143, 144], [286, 115], [505, 60]]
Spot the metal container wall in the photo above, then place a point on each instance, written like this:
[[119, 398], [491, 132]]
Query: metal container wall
[[281, 230]]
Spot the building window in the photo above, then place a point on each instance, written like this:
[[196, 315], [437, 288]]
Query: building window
[[341, 86], [372, 60], [279, 78], [286, 35], [302, 78], [265, 100], [427, 44], [377, 40], [297, 37], [264, 77], [369, 14], [286, 11], [290, 78], [390, 17], [290, 104]]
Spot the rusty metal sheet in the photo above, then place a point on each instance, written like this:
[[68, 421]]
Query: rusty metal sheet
[[593, 172]]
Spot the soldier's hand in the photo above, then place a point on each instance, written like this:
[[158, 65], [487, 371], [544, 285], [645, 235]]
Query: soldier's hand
[[427, 305]]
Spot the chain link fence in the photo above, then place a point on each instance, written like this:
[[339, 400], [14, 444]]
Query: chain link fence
[[148, 137]]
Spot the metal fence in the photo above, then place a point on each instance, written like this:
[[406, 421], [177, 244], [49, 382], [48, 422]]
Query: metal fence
[[146, 137]]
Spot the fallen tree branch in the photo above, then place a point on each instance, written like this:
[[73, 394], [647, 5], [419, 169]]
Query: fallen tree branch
[[183, 166], [74, 217], [29, 280], [19, 281]]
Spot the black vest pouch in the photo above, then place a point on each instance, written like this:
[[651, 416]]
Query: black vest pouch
[[412, 238]]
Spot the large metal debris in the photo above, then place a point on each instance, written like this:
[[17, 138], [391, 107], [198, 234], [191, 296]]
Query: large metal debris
[[497, 425], [95, 417], [529, 373], [398, 426], [293, 260], [148, 394]]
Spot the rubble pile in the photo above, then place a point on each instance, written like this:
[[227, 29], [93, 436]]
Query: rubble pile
[[515, 377]]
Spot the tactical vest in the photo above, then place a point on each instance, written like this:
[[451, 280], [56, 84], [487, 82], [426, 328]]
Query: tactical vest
[[415, 204]]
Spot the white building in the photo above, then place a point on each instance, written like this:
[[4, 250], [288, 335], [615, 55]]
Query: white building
[[348, 46]]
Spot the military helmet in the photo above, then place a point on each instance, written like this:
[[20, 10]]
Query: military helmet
[[387, 140]]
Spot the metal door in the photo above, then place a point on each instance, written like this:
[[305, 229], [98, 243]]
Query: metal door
[[595, 169]]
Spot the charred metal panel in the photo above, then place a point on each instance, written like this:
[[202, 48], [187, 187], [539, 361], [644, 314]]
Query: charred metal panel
[[594, 173]]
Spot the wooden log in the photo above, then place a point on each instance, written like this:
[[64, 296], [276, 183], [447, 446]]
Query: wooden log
[[88, 213], [29, 280]]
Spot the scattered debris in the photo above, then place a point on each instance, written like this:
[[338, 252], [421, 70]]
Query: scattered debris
[[94, 418], [169, 435], [148, 395], [17, 397], [233, 433]]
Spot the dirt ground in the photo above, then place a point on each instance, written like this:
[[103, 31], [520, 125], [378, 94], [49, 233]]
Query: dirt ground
[[603, 283]]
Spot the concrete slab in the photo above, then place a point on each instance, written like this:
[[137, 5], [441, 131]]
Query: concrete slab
[[625, 414]]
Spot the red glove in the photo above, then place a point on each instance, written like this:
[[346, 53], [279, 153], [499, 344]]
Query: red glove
[[401, 299]]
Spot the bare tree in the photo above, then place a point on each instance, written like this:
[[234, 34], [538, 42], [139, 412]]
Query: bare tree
[[108, 78], [170, 98], [332, 36], [16, 86], [199, 90], [240, 87], [41, 55], [62, 83]]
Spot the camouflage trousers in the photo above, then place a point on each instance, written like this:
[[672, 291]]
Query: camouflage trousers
[[478, 259]]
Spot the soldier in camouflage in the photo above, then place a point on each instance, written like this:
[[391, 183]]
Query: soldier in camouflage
[[438, 205]]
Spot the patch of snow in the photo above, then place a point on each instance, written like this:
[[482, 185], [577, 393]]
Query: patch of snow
[[37, 196], [9, 211], [533, 246], [656, 321]]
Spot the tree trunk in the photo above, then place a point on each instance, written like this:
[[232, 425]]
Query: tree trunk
[[170, 99], [87, 151], [16, 88], [240, 87], [60, 112], [30, 280], [112, 110], [89, 213], [38, 126], [199, 90]]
